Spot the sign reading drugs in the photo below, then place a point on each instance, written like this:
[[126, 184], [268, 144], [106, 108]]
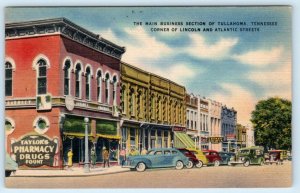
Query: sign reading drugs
[[35, 151]]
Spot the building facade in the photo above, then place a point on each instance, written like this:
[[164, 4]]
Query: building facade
[[192, 120], [241, 136], [58, 74], [216, 138], [204, 122], [229, 131], [152, 108]]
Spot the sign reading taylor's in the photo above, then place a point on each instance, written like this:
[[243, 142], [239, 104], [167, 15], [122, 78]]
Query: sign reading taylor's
[[35, 150]]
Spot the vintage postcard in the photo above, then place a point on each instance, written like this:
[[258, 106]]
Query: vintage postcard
[[148, 97]]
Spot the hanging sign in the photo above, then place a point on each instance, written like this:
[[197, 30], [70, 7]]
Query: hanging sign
[[35, 151]]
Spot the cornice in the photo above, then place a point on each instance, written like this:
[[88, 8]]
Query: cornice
[[65, 28]]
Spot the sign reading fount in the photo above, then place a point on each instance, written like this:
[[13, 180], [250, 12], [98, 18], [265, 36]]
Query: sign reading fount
[[35, 151]]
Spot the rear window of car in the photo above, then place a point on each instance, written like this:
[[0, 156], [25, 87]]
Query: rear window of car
[[167, 152], [158, 153], [151, 152], [174, 152]]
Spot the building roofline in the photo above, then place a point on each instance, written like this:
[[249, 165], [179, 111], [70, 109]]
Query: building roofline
[[58, 25]]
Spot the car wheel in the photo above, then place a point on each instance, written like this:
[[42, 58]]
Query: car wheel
[[246, 163], [217, 163], [190, 164], [179, 165], [140, 167], [199, 164], [7, 173]]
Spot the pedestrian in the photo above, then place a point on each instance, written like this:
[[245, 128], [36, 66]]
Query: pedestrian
[[70, 158], [93, 157], [105, 156], [122, 156], [144, 151]]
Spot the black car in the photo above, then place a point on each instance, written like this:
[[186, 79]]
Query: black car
[[225, 156]]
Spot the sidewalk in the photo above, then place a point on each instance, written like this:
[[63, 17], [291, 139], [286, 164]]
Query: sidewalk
[[76, 171]]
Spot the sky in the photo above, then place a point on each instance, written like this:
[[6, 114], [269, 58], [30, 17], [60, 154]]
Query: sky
[[236, 68]]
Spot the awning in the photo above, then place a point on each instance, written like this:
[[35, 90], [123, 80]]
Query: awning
[[155, 126], [109, 136], [182, 139]]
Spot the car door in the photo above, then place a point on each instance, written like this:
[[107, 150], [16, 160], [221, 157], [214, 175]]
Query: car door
[[167, 158], [157, 159]]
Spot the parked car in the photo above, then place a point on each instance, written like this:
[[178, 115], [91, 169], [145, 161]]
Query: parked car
[[226, 156], [192, 158], [213, 157], [200, 156], [10, 165], [276, 156], [157, 158], [247, 156]]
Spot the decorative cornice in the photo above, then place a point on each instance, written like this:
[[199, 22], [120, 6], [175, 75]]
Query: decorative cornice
[[67, 29]]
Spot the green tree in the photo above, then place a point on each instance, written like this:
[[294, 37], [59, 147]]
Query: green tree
[[272, 120]]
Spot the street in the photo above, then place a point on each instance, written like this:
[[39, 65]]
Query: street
[[206, 177]]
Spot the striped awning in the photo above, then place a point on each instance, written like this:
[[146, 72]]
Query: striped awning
[[184, 139]]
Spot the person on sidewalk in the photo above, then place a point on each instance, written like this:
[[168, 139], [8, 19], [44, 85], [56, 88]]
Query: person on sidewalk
[[93, 157], [70, 159], [105, 155], [122, 156]]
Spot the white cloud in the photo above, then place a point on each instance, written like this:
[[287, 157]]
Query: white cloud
[[277, 82], [217, 51], [141, 48], [178, 73], [260, 58], [239, 98]]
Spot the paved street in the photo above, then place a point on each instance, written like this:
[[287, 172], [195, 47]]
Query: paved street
[[223, 176]]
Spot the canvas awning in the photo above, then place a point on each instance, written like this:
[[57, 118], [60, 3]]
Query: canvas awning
[[182, 140]]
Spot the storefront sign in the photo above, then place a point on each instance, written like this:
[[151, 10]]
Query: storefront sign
[[179, 129], [35, 151], [204, 140], [216, 140], [230, 137]]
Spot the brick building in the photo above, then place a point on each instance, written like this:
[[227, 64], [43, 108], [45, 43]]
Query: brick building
[[56, 74]]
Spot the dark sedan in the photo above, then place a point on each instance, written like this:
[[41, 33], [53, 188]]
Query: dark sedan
[[225, 156]]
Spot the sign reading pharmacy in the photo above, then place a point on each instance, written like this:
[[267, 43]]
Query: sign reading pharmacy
[[35, 151]]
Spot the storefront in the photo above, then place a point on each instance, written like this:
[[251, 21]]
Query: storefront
[[145, 136], [101, 133]]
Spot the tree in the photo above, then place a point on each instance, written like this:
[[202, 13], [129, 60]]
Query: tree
[[272, 119]]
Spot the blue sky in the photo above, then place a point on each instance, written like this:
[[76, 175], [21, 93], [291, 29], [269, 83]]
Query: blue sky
[[235, 68]]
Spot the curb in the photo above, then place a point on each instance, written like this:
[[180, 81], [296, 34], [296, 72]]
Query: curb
[[75, 175]]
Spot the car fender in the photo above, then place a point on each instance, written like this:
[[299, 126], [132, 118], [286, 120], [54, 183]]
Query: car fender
[[146, 161]]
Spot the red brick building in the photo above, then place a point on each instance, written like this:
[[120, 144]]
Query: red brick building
[[57, 74]]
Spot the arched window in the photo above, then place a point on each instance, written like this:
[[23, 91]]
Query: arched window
[[42, 77], [67, 67], [114, 94], [107, 88], [78, 81], [8, 79], [99, 86], [124, 101], [88, 83]]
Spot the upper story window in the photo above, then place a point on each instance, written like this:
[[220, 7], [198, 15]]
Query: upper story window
[[107, 77], [99, 86], [8, 79], [124, 99], [114, 94], [78, 80], [42, 77], [67, 70], [88, 83]]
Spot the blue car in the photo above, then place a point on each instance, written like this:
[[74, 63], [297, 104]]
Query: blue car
[[157, 158]]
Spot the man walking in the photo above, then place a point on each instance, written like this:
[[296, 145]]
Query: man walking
[[105, 155]]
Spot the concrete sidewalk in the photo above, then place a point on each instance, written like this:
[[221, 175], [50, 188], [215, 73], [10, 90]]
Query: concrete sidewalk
[[75, 171]]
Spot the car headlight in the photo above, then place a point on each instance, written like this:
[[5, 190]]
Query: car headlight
[[242, 159]]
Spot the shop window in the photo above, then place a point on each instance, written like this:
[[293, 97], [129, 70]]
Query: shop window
[[88, 83], [132, 137], [8, 79], [42, 77], [67, 70], [78, 80], [99, 86]]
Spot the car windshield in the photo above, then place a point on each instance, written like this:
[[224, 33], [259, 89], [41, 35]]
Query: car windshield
[[151, 152], [244, 151]]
